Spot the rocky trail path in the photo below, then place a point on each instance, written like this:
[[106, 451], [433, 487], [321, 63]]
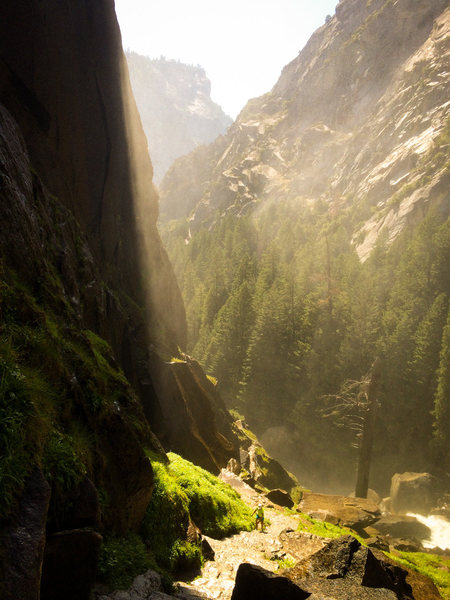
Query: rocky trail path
[[259, 548], [217, 578]]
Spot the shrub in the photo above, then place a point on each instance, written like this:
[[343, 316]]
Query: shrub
[[15, 411], [121, 560]]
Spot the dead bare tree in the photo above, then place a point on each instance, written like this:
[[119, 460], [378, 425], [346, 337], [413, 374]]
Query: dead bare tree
[[355, 406]]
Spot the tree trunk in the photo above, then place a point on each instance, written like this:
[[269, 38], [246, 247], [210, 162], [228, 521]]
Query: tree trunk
[[365, 449]]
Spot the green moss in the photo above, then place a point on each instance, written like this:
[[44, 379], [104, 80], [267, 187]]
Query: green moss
[[437, 568], [324, 529], [167, 517], [214, 506], [15, 413], [184, 492]]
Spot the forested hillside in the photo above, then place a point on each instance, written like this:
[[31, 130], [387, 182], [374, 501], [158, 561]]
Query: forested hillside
[[317, 239]]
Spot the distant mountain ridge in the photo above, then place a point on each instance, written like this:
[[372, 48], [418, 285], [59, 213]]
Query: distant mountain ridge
[[355, 120], [174, 101]]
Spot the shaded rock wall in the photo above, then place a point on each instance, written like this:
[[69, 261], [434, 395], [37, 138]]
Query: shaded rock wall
[[81, 262], [64, 79]]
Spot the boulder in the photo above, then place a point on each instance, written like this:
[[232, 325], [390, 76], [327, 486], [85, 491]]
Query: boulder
[[146, 585], [234, 466], [341, 570], [70, 564], [300, 544], [23, 542], [406, 545], [345, 569], [84, 510], [413, 493], [400, 526], [255, 583], [263, 470], [356, 513], [280, 497]]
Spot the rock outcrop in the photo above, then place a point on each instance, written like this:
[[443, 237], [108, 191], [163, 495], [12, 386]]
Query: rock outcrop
[[342, 569], [89, 303], [174, 101], [357, 121]]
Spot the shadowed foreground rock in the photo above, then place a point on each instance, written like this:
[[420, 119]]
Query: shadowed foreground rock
[[343, 569], [24, 541], [255, 583]]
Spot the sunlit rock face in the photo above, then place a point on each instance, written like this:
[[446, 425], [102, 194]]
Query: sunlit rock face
[[174, 102], [357, 120]]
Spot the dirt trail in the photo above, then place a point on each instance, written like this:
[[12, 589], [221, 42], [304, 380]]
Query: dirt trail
[[218, 576]]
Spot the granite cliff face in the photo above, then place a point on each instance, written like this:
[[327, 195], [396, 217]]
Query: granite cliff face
[[174, 101], [90, 310], [356, 120]]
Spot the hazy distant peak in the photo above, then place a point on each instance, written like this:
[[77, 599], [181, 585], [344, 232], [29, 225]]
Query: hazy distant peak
[[174, 100]]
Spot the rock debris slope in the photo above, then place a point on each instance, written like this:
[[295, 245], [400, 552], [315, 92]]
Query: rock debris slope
[[357, 120]]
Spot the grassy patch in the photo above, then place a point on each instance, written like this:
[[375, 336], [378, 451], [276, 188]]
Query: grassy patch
[[121, 560], [324, 529], [437, 568]]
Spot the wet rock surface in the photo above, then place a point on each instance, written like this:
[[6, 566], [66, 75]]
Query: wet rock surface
[[356, 513], [414, 493]]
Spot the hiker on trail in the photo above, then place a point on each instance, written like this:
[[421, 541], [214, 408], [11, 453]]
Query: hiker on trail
[[259, 516]]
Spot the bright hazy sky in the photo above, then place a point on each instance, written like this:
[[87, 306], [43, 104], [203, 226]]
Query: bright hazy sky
[[242, 44]]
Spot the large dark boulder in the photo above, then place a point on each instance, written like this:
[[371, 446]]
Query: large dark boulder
[[345, 569], [399, 526], [22, 542], [70, 565], [255, 583], [342, 570], [413, 493], [280, 497]]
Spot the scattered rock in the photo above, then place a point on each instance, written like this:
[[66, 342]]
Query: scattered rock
[[280, 497]]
